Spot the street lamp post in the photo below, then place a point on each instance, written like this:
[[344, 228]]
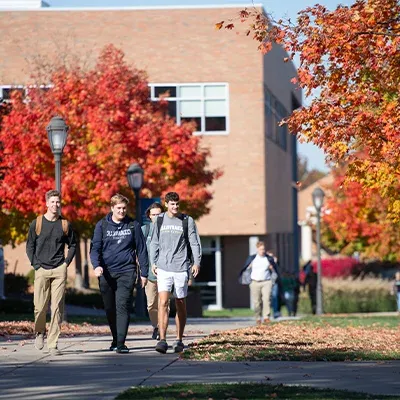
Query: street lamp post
[[135, 180], [318, 200], [57, 132]]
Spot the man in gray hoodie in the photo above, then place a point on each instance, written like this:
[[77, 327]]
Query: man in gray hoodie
[[174, 248]]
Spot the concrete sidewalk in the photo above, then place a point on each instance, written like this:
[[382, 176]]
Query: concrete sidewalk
[[88, 371]]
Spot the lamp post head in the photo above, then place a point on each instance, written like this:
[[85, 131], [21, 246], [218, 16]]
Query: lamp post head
[[135, 177], [57, 131], [318, 198]]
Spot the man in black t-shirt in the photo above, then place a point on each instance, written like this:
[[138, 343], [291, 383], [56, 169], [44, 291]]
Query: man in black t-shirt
[[48, 235]]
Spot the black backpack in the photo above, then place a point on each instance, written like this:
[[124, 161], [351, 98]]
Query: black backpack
[[185, 224]]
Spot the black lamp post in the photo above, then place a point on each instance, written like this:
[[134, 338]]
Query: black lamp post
[[135, 180], [318, 200], [57, 132]]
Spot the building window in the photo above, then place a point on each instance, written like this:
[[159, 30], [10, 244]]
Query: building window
[[274, 113], [204, 103], [7, 90]]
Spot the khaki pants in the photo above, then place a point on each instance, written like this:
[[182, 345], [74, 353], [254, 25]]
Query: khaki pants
[[49, 283], [152, 302], [261, 297]]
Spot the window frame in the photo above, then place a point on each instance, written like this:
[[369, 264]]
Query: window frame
[[279, 134], [202, 99]]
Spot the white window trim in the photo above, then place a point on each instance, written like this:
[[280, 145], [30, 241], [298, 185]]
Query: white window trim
[[152, 85]]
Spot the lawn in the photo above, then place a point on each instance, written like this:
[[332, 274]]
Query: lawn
[[312, 339], [244, 391]]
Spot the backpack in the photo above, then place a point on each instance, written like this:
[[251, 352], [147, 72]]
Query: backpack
[[39, 223], [185, 224]]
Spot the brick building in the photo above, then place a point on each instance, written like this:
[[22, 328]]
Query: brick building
[[235, 94]]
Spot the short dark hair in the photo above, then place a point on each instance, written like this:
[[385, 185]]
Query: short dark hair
[[171, 196], [52, 193], [152, 207]]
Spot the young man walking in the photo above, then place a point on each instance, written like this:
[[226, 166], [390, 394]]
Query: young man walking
[[263, 275], [117, 243], [48, 235], [152, 212], [174, 242]]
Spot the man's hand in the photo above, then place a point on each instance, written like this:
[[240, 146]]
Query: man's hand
[[98, 271], [154, 269], [195, 270], [144, 281]]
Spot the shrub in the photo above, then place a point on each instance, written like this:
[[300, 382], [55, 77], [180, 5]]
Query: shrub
[[83, 299], [15, 284], [346, 295], [16, 306]]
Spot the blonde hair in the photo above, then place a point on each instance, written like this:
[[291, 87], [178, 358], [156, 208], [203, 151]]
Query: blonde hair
[[259, 244], [118, 199]]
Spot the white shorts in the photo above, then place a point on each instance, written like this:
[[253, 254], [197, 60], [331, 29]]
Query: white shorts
[[167, 279]]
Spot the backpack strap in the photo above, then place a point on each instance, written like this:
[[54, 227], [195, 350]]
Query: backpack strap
[[146, 231], [65, 228], [39, 223], [185, 225], [160, 221]]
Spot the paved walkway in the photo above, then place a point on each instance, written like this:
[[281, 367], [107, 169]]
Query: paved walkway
[[87, 371]]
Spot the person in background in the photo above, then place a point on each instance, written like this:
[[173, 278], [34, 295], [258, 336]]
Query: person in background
[[262, 275], [310, 280], [276, 292], [290, 289]]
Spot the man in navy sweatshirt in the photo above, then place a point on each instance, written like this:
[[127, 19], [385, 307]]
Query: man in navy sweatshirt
[[117, 242]]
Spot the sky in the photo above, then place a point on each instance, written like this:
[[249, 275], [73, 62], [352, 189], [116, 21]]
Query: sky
[[278, 8]]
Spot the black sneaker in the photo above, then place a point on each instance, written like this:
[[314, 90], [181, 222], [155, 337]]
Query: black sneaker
[[162, 346], [122, 349], [155, 335], [113, 346], [178, 346]]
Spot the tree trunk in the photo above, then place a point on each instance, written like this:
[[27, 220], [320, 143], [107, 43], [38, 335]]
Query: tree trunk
[[78, 264]]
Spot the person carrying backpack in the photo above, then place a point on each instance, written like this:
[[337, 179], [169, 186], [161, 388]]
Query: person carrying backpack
[[117, 243], [47, 237], [174, 249]]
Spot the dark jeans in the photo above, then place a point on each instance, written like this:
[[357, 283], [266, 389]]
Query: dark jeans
[[117, 291]]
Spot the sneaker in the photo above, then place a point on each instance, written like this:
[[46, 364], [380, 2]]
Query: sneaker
[[113, 346], [122, 349], [178, 346], [55, 352], [155, 335], [39, 341], [162, 346]]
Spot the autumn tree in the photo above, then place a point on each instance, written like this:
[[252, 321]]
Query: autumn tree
[[112, 124], [349, 61], [356, 220]]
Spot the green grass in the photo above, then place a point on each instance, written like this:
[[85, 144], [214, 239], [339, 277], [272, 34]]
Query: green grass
[[243, 391], [228, 313]]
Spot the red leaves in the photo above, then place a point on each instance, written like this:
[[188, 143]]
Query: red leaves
[[112, 124]]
